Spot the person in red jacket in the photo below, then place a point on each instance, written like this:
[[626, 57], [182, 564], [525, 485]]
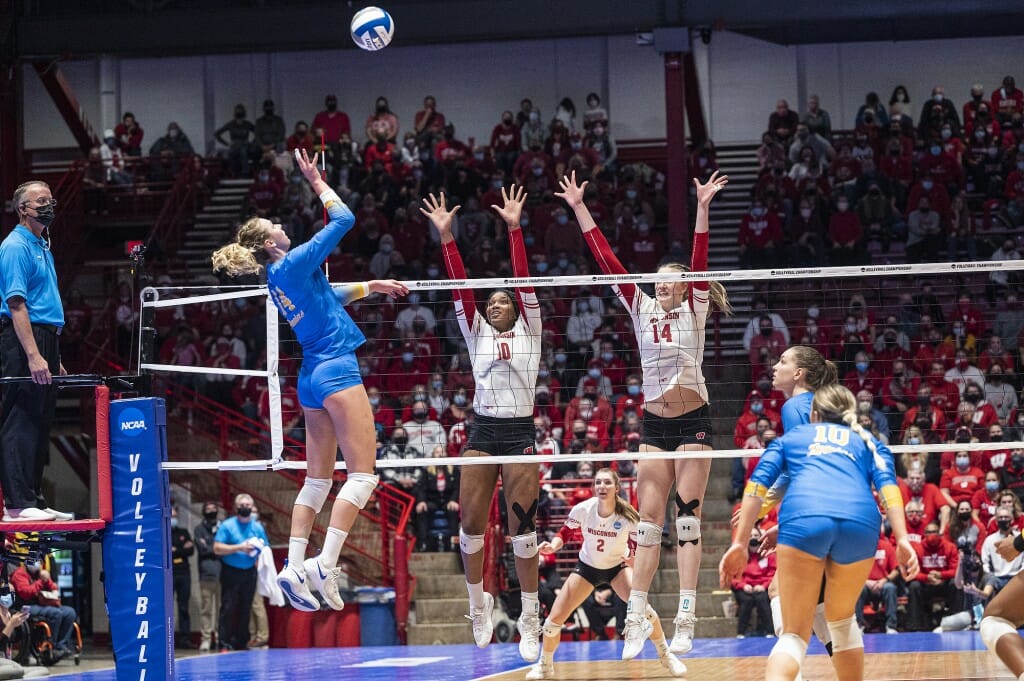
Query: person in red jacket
[[746, 424], [760, 233], [864, 376], [845, 240], [960, 482], [751, 590], [880, 588], [916, 523], [929, 496], [34, 588], [939, 559], [926, 416]]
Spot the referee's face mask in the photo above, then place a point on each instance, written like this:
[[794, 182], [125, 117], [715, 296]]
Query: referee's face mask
[[41, 209]]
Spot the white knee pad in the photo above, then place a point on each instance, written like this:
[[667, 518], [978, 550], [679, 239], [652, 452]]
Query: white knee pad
[[525, 545], [551, 630], [648, 534], [994, 628], [792, 645], [314, 492], [358, 488], [846, 634], [470, 543], [688, 529]]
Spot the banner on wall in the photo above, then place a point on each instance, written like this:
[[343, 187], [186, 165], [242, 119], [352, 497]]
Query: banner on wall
[[137, 544]]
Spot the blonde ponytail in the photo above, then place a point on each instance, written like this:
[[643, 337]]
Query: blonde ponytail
[[850, 419], [245, 255]]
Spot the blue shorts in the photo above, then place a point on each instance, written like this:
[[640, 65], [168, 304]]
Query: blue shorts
[[319, 381], [844, 541]]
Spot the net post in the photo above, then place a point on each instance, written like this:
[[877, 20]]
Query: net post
[[103, 482], [274, 382]]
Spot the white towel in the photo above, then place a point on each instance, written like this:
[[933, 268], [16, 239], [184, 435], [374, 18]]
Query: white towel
[[266, 583]]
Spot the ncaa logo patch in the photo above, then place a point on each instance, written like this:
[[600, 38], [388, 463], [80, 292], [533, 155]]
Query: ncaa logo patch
[[133, 423], [616, 525]]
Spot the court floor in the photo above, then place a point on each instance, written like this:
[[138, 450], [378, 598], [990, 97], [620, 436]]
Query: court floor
[[950, 656]]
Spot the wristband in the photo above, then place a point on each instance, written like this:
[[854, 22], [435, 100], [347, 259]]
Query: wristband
[[1018, 543]]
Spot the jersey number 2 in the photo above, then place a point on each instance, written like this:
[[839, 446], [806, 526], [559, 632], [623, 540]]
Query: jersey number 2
[[600, 545], [504, 351], [666, 332]]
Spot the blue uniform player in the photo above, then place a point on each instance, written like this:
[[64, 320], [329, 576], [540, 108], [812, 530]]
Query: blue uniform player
[[334, 403], [828, 526]]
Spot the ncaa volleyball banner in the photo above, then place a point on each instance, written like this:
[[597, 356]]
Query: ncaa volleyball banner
[[137, 544]]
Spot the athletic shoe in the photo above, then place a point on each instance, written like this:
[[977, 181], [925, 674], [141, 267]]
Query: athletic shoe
[[673, 664], [682, 642], [204, 647], [483, 627], [541, 671], [635, 634], [293, 586], [59, 515], [20, 515], [324, 581], [891, 630], [529, 637]]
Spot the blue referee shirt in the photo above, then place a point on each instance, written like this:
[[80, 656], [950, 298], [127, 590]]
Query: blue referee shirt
[[233, 531], [26, 270]]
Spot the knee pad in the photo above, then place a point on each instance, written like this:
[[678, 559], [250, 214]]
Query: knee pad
[[358, 488], [792, 645], [688, 530], [648, 534], [470, 543], [846, 635], [551, 630], [525, 545], [314, 492], [994, 628]]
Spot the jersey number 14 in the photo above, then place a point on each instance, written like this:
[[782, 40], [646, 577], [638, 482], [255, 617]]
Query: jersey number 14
[[666, 332]]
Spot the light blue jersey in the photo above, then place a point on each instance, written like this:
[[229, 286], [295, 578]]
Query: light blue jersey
[[796, 410], [304, 297], [831, 471]]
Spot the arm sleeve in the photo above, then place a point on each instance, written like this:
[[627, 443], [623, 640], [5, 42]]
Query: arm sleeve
[[309, 255], [352, 292], [521, 268], [699, 263], [610, 265], [465, 302]]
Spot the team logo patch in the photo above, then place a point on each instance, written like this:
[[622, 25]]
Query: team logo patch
[[701, 435], [528, 450]]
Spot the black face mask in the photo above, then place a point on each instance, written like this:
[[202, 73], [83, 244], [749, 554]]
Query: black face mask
[[579, 434], [964, 516], [923, 401], [973, 398], [210, 517], [400, 441], [332, 106], [1004, 524], [239, 115], [1018, 461], [244, 511], [753, 544], [45, 214]]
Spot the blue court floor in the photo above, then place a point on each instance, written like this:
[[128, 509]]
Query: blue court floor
[[466, 662]]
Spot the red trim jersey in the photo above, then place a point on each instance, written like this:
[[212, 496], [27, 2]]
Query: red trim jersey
[[671, 343], [504, 363], [606, 541]]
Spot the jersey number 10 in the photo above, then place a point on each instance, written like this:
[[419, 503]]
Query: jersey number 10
[[504, 351]]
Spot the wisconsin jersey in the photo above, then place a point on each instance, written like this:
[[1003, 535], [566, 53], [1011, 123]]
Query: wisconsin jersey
[[606, 541], [831, 471], [304, 297], [504, 363], [671, 343]]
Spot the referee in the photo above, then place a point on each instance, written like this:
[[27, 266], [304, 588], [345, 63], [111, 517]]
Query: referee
[[31, 319]]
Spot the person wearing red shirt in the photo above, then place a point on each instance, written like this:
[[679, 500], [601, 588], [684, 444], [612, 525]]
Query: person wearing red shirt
[[864, 376], [639, 249], [1007, 100], [368, 212], [760, 232], [994, 459], [751, 590], [899, 390], [450, 150], [845, 240], [880, 587], [590, 398], [939, 559], [945, 394], [929, 496], [746, 424], [972, 317], [129, 135], [332, 121], [428, 123], [300, 139], [985, 501], [916, 522], [505, 142], [960, 482], [845, 169], [612, 367], [33, 586], [382, 414], [405, 371]]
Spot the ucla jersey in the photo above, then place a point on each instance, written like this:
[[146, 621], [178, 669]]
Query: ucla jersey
[[831, 470], [304, 297], [796, 410]]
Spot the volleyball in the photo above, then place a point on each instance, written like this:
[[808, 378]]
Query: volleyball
[[372, 28]]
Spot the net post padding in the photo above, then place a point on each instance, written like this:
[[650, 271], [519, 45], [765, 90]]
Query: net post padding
[[103, 478]]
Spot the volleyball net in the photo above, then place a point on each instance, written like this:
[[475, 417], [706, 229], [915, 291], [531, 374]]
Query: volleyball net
[[950, 332]]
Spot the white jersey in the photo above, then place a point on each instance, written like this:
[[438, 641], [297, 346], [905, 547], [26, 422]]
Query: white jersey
[[504, 363], [605, 540], [671, 343]]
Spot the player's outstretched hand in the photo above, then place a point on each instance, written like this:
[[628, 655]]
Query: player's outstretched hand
[[707, 190], [437, 211], [388, 287], [571, 193], [512, 199]]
